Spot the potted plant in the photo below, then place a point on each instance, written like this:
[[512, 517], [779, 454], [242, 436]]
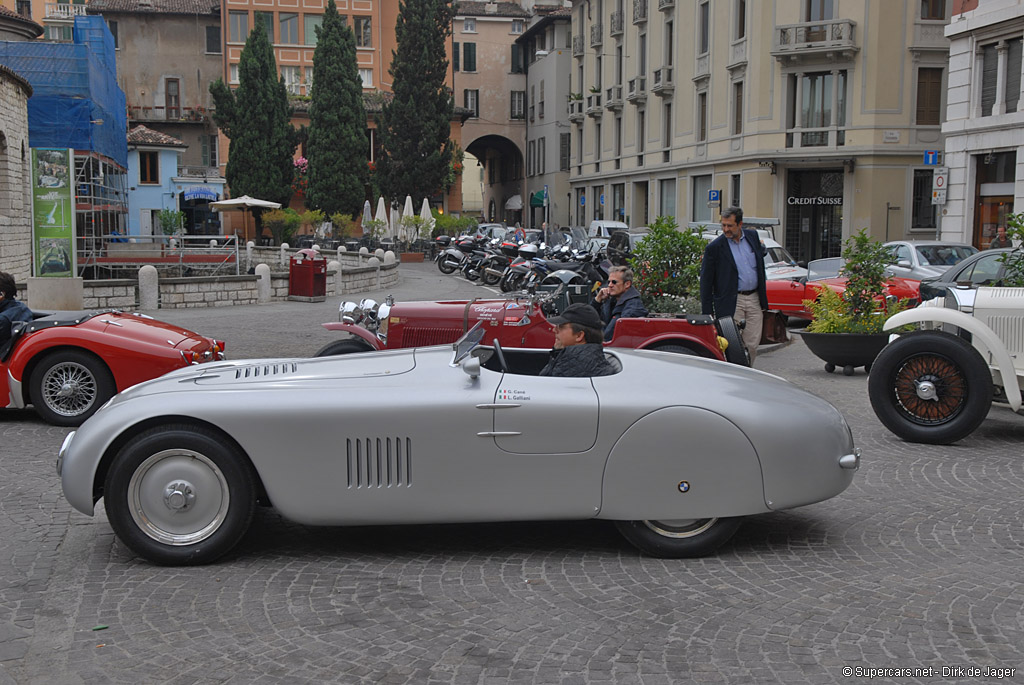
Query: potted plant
[[846, 328], [666, 264]]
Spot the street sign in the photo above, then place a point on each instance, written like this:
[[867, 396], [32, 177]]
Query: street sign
[[545, 194], [714, 198], [939, 197], [583, 200], [940, 178], [933, 157], [602, 199]]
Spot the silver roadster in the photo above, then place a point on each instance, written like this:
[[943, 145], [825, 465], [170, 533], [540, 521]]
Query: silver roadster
[[672, 448]]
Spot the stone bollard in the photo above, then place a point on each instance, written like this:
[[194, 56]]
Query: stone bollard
[[249, 246], [333, 267], [262, 283], [379, 253], [389, 257], [284, 254], [213, 242], [149, 288], [375, 263], [364, 250], [316, 248], [342, 248]]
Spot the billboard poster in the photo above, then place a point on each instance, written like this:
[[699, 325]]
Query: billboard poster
[[53, 212]]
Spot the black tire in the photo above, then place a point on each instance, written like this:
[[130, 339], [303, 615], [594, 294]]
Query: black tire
[[930, 387], [489, 279], [514, 281], [736, 352], [180, 495], [343, 347], [445, 267], [678, 539], [68, 386], [676, 349]]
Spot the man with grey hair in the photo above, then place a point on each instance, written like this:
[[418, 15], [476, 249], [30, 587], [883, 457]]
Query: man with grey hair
[[732, 278], [619, 299]]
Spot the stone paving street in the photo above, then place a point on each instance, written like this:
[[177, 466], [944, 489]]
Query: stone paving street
[[919, 564]]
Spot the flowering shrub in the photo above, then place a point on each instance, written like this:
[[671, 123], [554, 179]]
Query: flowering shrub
[[300, 175]]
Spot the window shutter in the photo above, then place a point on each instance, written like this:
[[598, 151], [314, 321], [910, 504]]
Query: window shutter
[[929, 96], [517, 67], [563, 151], [455, 56], [989, 75], [205, 150], [1013, 59], [469, 58]]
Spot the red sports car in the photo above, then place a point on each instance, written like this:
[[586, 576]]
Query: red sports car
[[68, 364], [788, 296]]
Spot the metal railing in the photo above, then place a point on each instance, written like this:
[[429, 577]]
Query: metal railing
[[118, 255]]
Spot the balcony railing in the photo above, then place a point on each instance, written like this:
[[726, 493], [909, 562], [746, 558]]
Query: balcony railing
[[577, 46], [576, 110], [662, 83], [594, 105], [830, 136], [666, 4], [613, 98], [815, 40], [596, 35], [617, 24], [637, 91], [62, 10], [639, 11], [159, 113], [198, 171]]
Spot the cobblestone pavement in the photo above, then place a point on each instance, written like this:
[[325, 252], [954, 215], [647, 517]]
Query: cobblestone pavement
[[918, 564]]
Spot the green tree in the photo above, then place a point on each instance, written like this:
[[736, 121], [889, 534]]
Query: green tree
[[415, 127], [283, 223], [256, 118], [337, 121], [666, 264]]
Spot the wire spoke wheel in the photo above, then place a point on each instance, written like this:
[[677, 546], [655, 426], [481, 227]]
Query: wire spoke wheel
[[930, 389], [69, 388]]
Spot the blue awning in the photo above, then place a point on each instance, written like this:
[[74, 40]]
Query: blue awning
[[201, 193]]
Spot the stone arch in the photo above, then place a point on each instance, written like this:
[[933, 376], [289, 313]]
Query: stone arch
[[503, 168]]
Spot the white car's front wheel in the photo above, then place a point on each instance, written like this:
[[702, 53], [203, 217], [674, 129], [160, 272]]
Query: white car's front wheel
[[678, 538], [180, 495]]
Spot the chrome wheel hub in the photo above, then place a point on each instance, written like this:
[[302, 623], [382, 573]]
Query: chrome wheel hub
[[179, 496], [926, 390]]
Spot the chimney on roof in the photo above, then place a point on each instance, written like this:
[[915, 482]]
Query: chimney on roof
[[146, 3], [491, 8]]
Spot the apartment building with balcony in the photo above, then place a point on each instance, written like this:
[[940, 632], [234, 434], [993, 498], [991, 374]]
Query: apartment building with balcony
[[817, 112], [984, 127]]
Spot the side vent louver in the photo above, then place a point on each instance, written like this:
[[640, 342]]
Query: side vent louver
[[379, 462], [265, 370]]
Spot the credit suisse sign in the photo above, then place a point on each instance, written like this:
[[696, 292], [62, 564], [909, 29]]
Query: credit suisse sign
[[815, 201]]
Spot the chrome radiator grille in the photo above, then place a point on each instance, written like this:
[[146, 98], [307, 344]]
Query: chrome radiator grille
[[379, 462]]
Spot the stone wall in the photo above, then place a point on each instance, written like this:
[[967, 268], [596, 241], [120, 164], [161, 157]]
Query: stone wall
[[15, 163]]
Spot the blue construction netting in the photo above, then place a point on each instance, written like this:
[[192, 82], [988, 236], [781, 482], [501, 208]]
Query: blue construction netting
[[75, 101]]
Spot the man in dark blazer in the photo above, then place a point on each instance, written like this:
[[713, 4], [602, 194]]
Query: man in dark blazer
[[732, 278]]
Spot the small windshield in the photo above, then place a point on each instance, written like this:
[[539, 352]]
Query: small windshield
[[824, 268], [778, 255], [944, 255], [467, 343]]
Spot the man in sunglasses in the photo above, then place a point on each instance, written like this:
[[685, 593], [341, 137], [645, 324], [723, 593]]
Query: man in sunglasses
[[619, 299], [732, 278], [578, 351]]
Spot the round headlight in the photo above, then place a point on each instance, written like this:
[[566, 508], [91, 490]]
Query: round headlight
[[369, 306], [350, 312]]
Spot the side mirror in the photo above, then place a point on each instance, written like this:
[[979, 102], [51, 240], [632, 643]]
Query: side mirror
[[471, 367], [905, 263]]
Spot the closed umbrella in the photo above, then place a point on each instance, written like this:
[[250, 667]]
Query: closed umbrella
[[382, 214], [407, 211], [367, 212], [428, 219], [396, 226]]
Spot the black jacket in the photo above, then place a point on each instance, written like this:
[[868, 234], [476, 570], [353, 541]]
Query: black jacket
[[719, 279], [627, 305], [10, 312], [578, 361]]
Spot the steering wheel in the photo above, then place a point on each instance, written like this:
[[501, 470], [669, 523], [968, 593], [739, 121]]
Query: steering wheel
[[500, 355]]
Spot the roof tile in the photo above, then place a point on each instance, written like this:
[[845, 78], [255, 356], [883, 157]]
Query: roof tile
[[140, 135]]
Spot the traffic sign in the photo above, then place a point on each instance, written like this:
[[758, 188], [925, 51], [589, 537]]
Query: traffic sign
[[940, 178], [939, 197], [583, 200], [933, 157], [602, 199], [714, 198]]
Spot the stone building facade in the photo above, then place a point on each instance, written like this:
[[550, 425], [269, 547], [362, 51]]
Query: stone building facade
[[15, 205]]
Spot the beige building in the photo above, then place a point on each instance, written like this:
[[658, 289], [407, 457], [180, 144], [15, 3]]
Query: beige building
[[818, 112]]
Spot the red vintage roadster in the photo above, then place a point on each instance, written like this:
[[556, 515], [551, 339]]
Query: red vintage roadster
[[522, 322], [68, 364], [787, 296]]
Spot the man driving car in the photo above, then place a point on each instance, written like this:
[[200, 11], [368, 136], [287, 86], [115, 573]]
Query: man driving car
[[578, 350]]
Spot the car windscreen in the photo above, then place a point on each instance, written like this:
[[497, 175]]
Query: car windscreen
[[944, 255], [824, 268], [778, 255]]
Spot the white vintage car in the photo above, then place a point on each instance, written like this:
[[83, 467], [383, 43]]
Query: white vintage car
[[936, 385], [673, 448]]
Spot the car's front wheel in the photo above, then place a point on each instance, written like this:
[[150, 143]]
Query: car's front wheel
[[68, 386], [180, 495], [930, 387], [680, 538]]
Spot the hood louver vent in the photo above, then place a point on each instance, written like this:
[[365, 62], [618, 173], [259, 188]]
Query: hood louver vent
[[265, 370], [379, 462]]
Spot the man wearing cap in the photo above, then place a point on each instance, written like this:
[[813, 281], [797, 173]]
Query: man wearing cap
[[578, 350]]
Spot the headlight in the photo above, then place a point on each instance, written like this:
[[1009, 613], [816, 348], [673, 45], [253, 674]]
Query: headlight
[[369, 307], [349, 312], [383, 314]]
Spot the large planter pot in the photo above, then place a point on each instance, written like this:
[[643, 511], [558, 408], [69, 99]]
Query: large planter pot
[[845, 350], [410, 257]]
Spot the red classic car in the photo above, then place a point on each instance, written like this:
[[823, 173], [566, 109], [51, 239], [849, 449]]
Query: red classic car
[[788, 296], [521, 322], [68, 364]]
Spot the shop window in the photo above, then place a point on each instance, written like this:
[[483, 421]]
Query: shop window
[[699, 210], [667, 197], [149, 167]]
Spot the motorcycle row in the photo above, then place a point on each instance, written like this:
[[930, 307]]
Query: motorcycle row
[[518, 265]]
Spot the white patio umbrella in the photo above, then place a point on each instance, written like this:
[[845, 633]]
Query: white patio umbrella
[[244, 203], [367, 212], [396, 225], [408, 210], [382, 214], [428, 219]]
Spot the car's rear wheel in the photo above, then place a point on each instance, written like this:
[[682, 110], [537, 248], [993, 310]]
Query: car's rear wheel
[[676, 349], [68, 386], [343, 347], [680, 538], [179, 495], [930, 387], [735, 351]]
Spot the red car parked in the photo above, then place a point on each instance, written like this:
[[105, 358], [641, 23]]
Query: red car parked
[[68, 364], [521, 322], [788, 296]]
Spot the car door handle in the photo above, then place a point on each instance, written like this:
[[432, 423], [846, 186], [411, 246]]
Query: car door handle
[[498, 434], [497, 406]]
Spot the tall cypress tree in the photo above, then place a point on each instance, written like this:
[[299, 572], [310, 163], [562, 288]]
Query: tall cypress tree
[[415, 127], [337, 122], [256, 117]]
